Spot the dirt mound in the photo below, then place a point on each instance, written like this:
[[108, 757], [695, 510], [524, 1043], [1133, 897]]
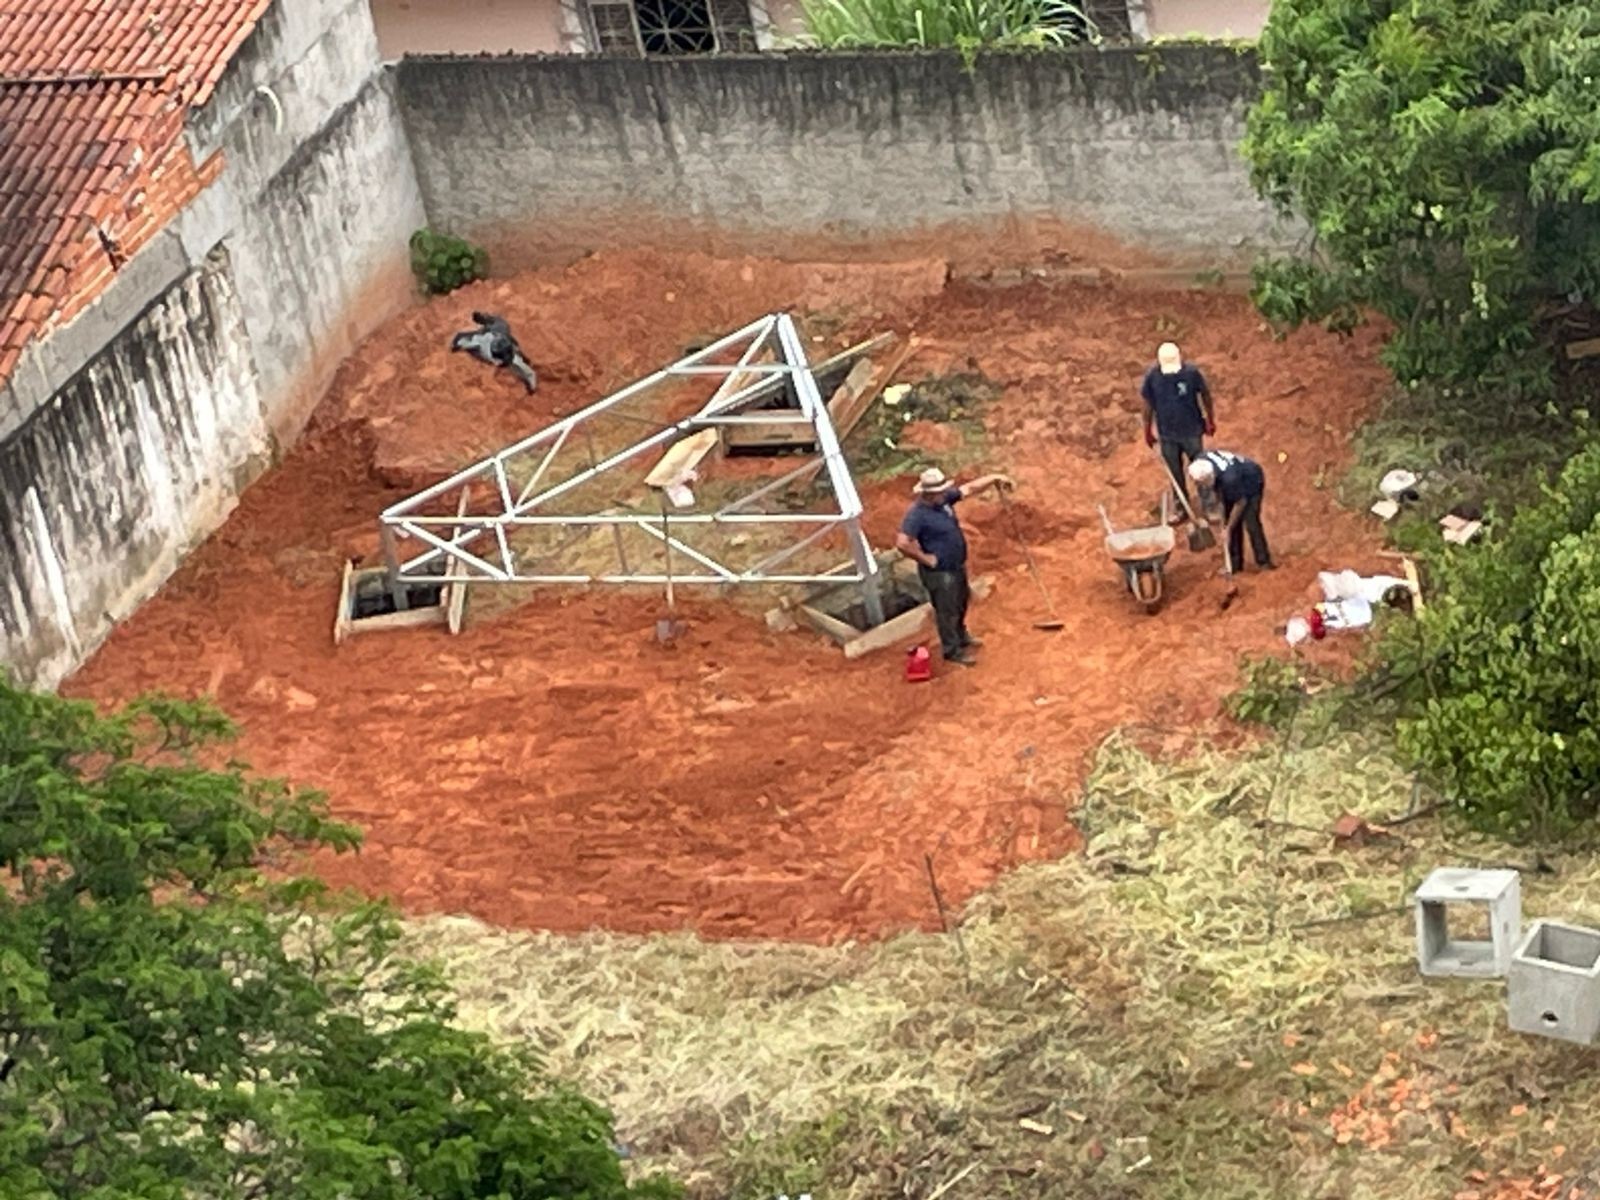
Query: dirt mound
[[556, 768], [589, 329]]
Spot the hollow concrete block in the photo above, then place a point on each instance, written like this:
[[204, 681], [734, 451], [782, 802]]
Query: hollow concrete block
[[1441, 954], [1553, 989]]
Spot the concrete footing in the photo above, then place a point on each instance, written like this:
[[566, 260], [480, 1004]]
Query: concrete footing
[[1553, 988], [1441, 954]]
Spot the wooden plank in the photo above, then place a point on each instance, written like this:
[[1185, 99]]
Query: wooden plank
[[341, 620], [843, 425], [880, 380], [846, 395], [773, 436], [828, 626], [908, 624], [1587, 348], [840, 361], [433, 614], [1415, 582], [681, 457], [455, 594]]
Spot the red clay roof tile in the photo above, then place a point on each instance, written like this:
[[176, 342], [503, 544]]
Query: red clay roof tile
[[92, 93]]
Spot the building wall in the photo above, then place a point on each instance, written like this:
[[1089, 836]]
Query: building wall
[[127, 434], [452, 27], [541, 157], [1207, 18]]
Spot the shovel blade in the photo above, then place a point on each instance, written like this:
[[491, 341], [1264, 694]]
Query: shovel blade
[[1201, 538]]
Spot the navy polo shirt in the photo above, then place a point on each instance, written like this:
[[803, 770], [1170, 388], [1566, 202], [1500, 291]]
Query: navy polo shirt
[[1175, 399], [935, 529]]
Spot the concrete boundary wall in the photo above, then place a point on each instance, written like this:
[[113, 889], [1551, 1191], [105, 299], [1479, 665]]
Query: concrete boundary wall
[[126, 436], [542, 156]]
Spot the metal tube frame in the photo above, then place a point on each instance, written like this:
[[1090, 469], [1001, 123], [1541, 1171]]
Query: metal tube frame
[[447, 559]]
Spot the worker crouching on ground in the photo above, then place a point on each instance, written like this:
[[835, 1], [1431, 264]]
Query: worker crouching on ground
[[1177, 412], [1239, 484], [932, 536]]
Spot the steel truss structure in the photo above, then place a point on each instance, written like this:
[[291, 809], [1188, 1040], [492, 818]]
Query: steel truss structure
[[493, 521]]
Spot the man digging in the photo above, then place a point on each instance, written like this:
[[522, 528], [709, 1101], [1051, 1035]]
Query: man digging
[[932, 536], [1239, 484], [1177, 413]]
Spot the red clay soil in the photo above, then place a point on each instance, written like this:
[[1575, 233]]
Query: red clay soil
[[556, 768]]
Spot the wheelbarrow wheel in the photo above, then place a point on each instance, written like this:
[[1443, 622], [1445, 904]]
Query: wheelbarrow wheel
[[1149, 589]]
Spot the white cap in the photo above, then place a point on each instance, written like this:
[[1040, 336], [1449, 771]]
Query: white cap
[[1168, 356], [1201, 470]]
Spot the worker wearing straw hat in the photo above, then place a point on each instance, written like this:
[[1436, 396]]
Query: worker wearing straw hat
[[1177, 412], [932, 536]]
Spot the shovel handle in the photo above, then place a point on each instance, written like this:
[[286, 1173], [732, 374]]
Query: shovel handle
[[1177, 486], [1105, 520]]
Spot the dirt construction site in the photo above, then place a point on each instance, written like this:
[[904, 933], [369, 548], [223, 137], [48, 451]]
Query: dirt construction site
[[556, 767]]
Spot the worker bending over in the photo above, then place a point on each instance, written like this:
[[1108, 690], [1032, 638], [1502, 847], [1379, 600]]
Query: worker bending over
[[1238, 483], [932, 536], [1177, 412]]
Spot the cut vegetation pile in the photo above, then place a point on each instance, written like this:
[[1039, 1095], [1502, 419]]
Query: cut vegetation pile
[[1202, 1005]]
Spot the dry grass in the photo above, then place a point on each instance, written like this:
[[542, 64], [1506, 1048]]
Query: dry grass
[[1176, 1008]]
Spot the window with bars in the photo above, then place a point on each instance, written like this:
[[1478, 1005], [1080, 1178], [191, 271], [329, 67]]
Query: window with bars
[[671, 27]]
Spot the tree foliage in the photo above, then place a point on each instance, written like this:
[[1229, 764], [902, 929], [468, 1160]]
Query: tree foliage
[[1504, 700], [966, 25], [173, 1026], [1447, 156]]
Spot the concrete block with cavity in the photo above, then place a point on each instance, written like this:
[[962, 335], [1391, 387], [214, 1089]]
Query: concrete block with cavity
[[1441, 954], [1553, 989]]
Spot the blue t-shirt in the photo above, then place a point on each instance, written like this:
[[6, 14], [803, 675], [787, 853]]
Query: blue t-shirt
[[934, 528], [1175, 399]]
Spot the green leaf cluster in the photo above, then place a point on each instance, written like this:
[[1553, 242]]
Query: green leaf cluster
[[174, 1024], [1447, 156], [443, 263], [965, 25], [1503, 707]]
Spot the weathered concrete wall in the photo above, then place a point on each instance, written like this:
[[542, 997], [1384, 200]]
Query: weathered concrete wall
[[537, 156], [125, 436], [104, 488]]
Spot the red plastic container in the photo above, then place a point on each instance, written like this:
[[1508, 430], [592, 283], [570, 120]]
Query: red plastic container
[[919, 665]]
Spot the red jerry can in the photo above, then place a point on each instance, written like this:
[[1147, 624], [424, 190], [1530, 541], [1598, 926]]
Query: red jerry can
[[919, 665]]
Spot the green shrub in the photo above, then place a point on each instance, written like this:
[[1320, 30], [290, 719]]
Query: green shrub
[[1271, 693], [443, 263], [965, 25], [1502, 706]]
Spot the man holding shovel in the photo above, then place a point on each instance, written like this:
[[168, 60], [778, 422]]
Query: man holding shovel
[[1177, 414], [1239, 484], [932, 536]]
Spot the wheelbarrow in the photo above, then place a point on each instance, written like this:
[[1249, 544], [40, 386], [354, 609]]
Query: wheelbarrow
[[1142, 554]]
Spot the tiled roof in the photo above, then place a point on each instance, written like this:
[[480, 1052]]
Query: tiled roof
[[93, 96]]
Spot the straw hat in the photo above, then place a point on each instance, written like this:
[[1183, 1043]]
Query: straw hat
[[1170, 359], [932, 480]]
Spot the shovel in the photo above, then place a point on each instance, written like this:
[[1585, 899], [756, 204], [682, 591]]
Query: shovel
[[1232, 594], [1050, 622], [668, 628], [1200, 535]]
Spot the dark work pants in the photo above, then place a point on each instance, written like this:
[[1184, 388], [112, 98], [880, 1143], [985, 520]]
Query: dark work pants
[[949, 592], [1249, 522], [1179, 453]]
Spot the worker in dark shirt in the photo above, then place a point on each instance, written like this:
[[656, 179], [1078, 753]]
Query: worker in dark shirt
[[1177, 412], [1238, 483], [932, 536]]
